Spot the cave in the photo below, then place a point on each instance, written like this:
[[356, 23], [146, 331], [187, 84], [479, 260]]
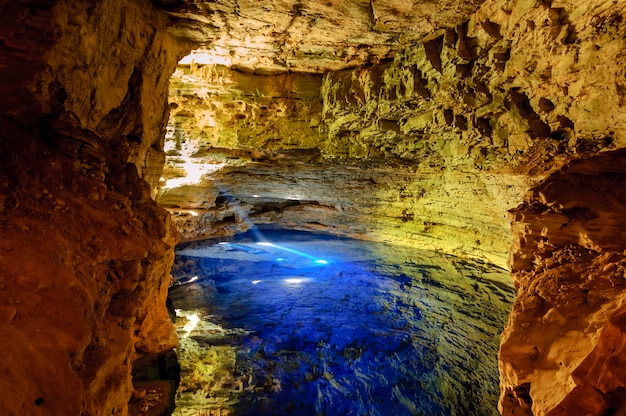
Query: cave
[[488, 133]]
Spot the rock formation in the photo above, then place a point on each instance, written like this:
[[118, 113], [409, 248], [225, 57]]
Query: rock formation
[[309, 36], [562, 348], [419, 124], [85, 251]]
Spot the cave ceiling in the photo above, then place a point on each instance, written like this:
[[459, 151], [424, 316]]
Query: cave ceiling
[[307, 35]]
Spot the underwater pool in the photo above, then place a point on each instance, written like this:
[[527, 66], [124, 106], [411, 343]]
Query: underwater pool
[[293, 323]]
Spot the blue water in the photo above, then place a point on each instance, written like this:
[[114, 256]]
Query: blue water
[[328, 326]]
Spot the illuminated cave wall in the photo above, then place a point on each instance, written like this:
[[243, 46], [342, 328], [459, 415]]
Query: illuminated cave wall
[[435, 148], [85, 252], [430, 149], [562, 351]]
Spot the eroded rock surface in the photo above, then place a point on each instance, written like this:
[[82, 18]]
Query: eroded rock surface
[[85, 251], [471, 110], [562, 350], [436, 145], [454, 211], [309, 36]]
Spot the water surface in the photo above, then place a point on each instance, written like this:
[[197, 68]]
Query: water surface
[[303, 324]]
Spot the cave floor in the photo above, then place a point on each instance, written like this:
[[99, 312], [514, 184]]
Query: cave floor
[[288, 323]]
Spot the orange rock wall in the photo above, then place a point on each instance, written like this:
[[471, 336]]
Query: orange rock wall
[[562, 351], [85, 252]]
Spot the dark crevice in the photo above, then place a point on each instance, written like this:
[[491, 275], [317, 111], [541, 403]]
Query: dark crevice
[[460, 121], [483, 125], [420, 84], [537, 127], [546, 105], [492, 29], [466, 46], [433, 49]]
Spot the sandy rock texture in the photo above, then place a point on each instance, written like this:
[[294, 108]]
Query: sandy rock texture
[[471, 107], [562, 350], [309, 36], [500, 91], [370, 200], [213, 106], [85, 252]]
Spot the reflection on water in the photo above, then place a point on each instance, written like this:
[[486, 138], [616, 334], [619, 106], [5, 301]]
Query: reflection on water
[[303, 324]]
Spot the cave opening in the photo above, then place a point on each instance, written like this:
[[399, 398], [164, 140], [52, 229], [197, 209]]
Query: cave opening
[[304, 323]]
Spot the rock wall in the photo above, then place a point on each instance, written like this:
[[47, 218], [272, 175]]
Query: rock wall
[[245, 149], [472, 108], [85, 250], [429, 149], [499, 96], [371, 200], [215, 107], [308, 36], [562, 350]]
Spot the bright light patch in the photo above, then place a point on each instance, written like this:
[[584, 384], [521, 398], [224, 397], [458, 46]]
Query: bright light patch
[[256, 196], [256, 282], [193, 173], [205, 58], [294, 281], [191, 324], [193, 279], [291, 250]]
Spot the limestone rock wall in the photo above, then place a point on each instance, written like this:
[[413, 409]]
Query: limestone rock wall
[[508, 92], [488, 94], [371, 200], [472, 106], [85, 252], [562, 351], [308, 36], [215, 107], [234, 135]]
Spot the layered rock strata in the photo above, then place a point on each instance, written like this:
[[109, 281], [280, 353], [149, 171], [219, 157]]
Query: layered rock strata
[[469, 107], [216, 107], [421, 207], [85, 252], [509, 98], [309, 36]]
